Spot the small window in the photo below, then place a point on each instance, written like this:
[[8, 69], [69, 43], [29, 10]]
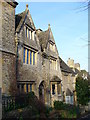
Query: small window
[[53, 89], [30, 87], [72, 99], [31, 35], [24, 55], [27, 88], [33, 58], [67, 99], [53, 64], [22, 88], [58, 88], [18, 86], [27, 56], [26, 31], [30, 57]]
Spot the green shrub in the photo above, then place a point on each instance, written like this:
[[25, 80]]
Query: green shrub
[[58, 105], [69, 111]]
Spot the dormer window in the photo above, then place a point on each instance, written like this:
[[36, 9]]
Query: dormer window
[[29, 33]]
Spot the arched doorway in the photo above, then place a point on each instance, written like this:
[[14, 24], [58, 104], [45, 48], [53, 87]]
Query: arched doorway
[[42, 91]]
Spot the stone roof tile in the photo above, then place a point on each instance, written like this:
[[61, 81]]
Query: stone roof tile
[[43, 38], [65, 68], [21, 18]]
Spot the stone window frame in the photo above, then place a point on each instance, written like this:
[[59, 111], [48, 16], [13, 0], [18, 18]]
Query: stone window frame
[[29, 33], [52, 46], [27, 89], [29, 56], [53, 89], [24, 55], [53, 64]]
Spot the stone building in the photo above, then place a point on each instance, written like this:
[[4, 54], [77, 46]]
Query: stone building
[[74, 66], [7, 45], [30, 58], [38, 60], [51, 71], [68, 83]]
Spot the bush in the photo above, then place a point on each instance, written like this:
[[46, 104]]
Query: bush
[[82, 90], [66, 108], [58, 105]]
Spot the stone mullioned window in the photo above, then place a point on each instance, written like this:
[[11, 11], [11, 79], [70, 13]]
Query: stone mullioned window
[[29, 56], [53, 64], [29, 33], [26, 87], [52, 47]]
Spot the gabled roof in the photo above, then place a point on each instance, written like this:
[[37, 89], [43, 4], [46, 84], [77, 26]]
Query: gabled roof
[[55, 79], [65, 68], [12, 3], [22, 18], [68, 92], [43, 38]]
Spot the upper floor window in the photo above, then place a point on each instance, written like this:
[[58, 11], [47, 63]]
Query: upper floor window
[[52, 47], [33, 58], [24, 55], [29, 57], [29, 33], [53, 64]]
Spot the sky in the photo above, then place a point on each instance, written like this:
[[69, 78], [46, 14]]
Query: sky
[[69, 24]]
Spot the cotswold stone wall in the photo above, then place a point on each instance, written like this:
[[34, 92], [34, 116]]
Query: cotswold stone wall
[[8, 27], [27, 72], [8, 46], [8, 71]]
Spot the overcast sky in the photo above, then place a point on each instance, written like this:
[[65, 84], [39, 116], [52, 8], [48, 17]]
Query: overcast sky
[[69, 24]]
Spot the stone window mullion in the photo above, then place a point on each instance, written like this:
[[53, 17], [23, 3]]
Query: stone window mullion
[[32, 58], [30, 34], [26, 56]]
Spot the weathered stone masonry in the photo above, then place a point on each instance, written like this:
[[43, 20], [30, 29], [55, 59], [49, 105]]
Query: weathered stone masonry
[[8, 45], [30, 57]]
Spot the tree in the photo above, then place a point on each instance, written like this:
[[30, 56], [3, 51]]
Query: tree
[[82, 90]]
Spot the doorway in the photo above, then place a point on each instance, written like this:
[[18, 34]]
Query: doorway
[[42, 91]]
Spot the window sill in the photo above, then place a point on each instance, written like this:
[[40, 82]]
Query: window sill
[[29, 39], [29, 64]]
